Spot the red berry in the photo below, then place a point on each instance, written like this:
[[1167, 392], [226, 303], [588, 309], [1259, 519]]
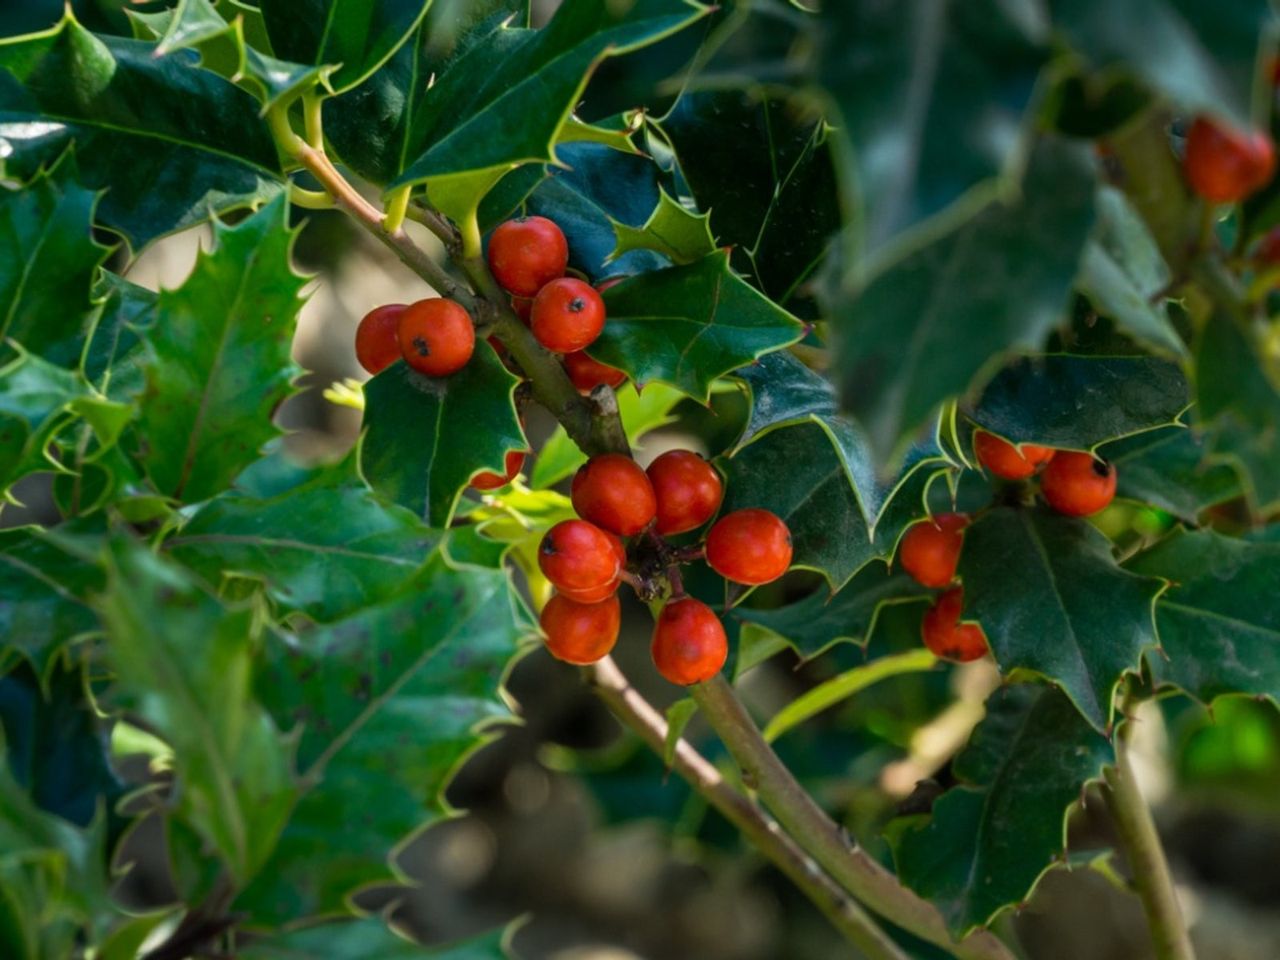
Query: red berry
[[1268, 250], [1078, 484], [522, 306], [603, 592], [436, 337], [581, 633], [567, 315], [1006, 460], [578, 557], [689, 643], [749, 546], [587, 374], [931, 549], [377, 346], [488, 480], [614, 493], [1224, 165], [527, 253], [946, 636], [688, 490]]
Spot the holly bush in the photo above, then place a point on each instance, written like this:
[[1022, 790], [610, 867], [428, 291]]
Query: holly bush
[[966, 272]]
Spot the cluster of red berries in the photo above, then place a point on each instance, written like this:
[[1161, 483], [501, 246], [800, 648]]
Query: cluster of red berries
[[435, 336], [1076, 484], [529, 257], [586, 559], [1225, 165]]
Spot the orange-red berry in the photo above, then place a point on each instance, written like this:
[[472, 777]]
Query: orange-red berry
[[1078, 484], [688, 491], [613, 492], [1224, 165], [1268, 249], [1007, 460], [377, 346], [578, 557], [586, 374], [527, 253], [580, 633], [488, 480], [931, 549], [749, 546], [689, 642], [436, 337], [567, 315], [946, 636]]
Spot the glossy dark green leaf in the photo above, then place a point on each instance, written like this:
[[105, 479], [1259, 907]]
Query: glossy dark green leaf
[[990, 838], [503, 101], [182, 662], [323, 550], [48, 261], [926, 329], [1075, 402], [1123, 274], [931, 98], [386, 705], [368, 938], [219, 363], [424, 438], [1219, 629], [779, 209], [1202, 57], [672, 230], [1169, 468], [113, 359], [1052, 601], [171, 143], [686, 326]]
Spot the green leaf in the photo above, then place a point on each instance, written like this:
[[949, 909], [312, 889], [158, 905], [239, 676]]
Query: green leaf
[[779, 207], [220, 362], [1201, 57], [173, 143], [927, 328], [931, 98], [678, 716], [424, 439], [1078, 402], [504, 100], [385, 706], [113, 360], [367, 939], [356, 36], [48, 260], [1168, 468], [674, 231], [1052, 601], [183, 663], [686, 326], [1123, 274], [1217, 636], [991, 838]]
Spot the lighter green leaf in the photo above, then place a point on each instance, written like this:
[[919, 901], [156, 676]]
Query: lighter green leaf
[[368, 938], [672, 230]]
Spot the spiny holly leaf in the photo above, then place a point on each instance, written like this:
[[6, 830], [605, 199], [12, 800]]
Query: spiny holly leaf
[[367, 939], [923, 330], [779, 209], [324, 550], [386, 705], [173, 144], [1052, 600], [48, 260], [182, 662], [113, 359], [822, 619], [1201, 57], [219, 362], [1217, 634], [1238, 405], [357, 36], [424, 439], [686, 326], [674, 231], [992, 837], [1122, 274], [1077, 402], [1169, 468], [503, 101], [931, 98]]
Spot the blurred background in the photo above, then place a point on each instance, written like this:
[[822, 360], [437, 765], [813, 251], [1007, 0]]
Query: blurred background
[[577, 831]]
